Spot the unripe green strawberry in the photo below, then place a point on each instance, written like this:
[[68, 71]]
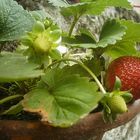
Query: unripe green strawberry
[[117, 104], [41, 43], [127, 68]]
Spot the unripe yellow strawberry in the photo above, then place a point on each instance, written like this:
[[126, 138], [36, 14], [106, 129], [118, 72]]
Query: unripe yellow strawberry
[[117, 104], [41, 43]]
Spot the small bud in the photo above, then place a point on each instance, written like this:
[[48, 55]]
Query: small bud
[[38, 27], [47, 23], [117, 84], [127, 97]]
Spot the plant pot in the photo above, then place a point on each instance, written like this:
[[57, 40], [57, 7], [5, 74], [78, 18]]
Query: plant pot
[[91, 126]]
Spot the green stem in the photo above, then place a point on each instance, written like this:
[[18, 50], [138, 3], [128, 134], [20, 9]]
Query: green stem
[[9, 98], [19, 86], [75, 20], [15, 109], [86, 68], [4, 89]]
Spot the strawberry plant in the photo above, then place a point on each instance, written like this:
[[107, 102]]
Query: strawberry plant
[[38, 78]]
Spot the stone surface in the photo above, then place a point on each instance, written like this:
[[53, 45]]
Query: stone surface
[[129, 131]]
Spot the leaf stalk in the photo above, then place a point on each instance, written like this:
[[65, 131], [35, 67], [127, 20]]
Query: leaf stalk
[[9, 98], [75, 20], [86, 68]]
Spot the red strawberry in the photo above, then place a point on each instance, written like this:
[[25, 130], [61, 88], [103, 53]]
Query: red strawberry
[[127, 68]]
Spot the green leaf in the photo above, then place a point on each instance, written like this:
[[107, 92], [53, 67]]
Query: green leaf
[[88, 33], [95, 65], [87, 0], [15, 67], [55, 54], [126, 46], [39, 15], [127, 96], [133, 30], [95, 7], [62, 99], [112, 32], [14, 20], [85, 40], [121, 49], [58, 3]]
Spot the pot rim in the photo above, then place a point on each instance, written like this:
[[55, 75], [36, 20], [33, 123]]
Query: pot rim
[[87, 127]]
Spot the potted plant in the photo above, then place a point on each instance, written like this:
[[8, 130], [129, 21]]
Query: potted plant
[[70, 93]]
